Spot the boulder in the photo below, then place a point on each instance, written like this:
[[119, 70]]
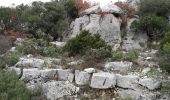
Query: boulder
[[29, 62], [82, 78], [112, 9], [150, 83], [57, 89], [90, 70], [127, 82], [107, 26], [93, 10], [103, 80], [65, 75], [58, 44], [118, 66], [32, 75], [49, 74]]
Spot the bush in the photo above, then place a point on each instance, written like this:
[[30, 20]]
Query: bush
[[38, 47], [2, 64], [154, 26], [84, 42], [12, 58], [11, 88], [117, 55], [164, 62], [165, 41]]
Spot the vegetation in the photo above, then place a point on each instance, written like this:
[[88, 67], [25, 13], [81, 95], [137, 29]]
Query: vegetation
[[11, 88], [86, 42], [153, 18]]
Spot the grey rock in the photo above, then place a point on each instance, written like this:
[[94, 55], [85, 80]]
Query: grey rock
[[118, 66], [82, 78], [150, 83], [17, 70], [128, 81], [93, 10], [146, 70], [58, 44], [30, 62], [48, 74], [65, 75], [112, 9], [103, 80], [57, 89], [90, 70]]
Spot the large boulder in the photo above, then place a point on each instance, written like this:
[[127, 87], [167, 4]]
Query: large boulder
[[108, 26], [29, 62], [118, 66], [57, 89], [127, 82], [113, 9], [103, 80], [82, 78], [93, 10], [150, 83], [65, 75]]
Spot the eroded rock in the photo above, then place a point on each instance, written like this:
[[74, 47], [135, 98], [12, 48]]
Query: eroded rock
[[82, 78]]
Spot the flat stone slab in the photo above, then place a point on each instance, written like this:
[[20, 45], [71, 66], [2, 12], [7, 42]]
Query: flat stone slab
[[82, 78], [103, 80]]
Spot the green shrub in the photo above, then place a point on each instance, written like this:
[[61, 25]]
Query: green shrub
[[2, 64], [38, 47], [12, 58], [154, 26], [11, 88], [118, 55], [165, 89], [84, 42], [165, 41]]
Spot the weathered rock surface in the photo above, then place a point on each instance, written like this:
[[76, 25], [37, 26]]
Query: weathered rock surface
[[113, 9], [118, 66], [29, 62], [48, 74], [58, 44], [65, 75], [127, 82], [150, 83], [57, 89], [103, 80], [93, 10], [90, 70], [107, 26], [82, 78]]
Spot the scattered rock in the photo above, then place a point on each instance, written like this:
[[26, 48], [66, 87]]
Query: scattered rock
[[90, 70], [118, 66], [65, 75], [25, 62], [150, 83], [57, 89], [58, 44], [146, 70], [82, 78], [127, 82], [75, 62], [103, 80]]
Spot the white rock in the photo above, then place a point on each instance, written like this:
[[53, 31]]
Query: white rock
[[12, 49], [65, 75], [30, 63], [82, 78], [146, 70], [75, 62], [150, 83], [118, 66], [93, 10], [127, 82], [58, 44], [103, 80], [57, 89], [31, 75], [48, 74], [90, 70], [112, 9]]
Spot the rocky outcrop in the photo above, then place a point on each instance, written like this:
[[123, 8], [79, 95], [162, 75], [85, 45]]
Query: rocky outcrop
[[108, 26], [82, 77], [65, 75], [150, 83]]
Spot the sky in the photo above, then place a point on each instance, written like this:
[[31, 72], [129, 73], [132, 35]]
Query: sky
[[17, 2]]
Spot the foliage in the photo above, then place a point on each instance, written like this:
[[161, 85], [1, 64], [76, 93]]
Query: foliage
[[82, 5], [11, 88], [38, 47], [12, 58], [165, 89], [154, 26], [84, 42], [129, 56], [71, 9], [157, 7], [2, 64], [5, 15]]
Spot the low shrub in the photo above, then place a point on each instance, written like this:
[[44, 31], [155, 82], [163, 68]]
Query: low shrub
[[86, 42], [2, 64], [11, 88], [12, 58], [38, 47], [118, 55]]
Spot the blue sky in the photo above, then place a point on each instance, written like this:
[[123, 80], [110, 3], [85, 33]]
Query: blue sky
[[17, 2]]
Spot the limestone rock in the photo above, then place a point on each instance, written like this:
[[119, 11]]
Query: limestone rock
[[82, 78], [113, 9], [57, 89], [103, 80], [25, 62], [90, 70], [93, 10], [65, 75], [48, 74], [58, 44], [118, 66], [128, 81], [150, 83]]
